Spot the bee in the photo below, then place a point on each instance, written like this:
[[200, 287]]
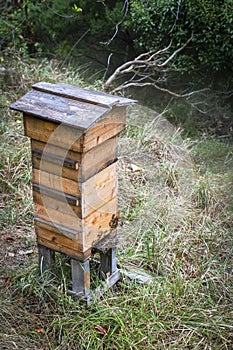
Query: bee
[[114, 221]]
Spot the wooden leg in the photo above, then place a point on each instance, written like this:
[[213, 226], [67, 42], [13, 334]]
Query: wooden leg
[[80, 277], [108, 263], [46, 258]]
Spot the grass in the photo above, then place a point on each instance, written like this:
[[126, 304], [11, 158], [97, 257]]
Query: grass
[[176, 226]]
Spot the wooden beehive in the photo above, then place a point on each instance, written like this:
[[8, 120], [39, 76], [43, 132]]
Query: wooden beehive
[[74, 138]]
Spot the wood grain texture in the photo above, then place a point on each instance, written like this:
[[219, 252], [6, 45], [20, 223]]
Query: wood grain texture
[[55, 159], [87, 232], [97, 224], [59, 196], [62, 206], [92, 194], [61, 230], [99, 190], [55, 149], [54, 167], [70, 138], [61, 135], [56, 217], [84, 95], [57, 183], [59, 109], [81, 166], [61, 244], [110, 125]]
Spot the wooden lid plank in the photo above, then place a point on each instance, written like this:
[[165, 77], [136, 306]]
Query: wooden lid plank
[[85, 95], [68, 104], [59, 109]]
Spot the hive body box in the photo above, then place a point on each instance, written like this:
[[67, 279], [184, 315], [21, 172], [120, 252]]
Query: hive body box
[[74, 138]]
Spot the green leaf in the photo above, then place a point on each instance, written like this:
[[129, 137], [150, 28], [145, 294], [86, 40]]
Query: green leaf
[[76, 8]]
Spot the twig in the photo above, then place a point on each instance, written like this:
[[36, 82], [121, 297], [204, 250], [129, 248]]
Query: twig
[[125, 9], [145, 66], [177, 16], [175, 53], [73, 47]]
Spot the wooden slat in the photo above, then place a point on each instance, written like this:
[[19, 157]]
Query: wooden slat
[[56, 217], [56, 182], [99, 190], [71, 139], [58, 109], [62, 206], [61, 244], [109, 126], [97, 224], [71, 210], [91, 162], [98, 158], [85, 95], [61, 230], [93, 193], [54, 168], [60, 196], [88, 231], [55, 149], [53, 133], [55, 159]]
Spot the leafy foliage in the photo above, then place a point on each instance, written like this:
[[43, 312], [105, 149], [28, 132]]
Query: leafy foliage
[[58, 27], [55, 24], [157, 22]]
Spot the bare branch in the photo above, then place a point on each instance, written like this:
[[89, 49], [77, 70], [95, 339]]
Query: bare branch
[[146, 66], [122, 87], [125, 10], [152, 53], [176, 16], [176, 52], [135, 84]]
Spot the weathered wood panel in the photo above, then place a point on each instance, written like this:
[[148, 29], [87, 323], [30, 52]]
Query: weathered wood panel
[[55, 149], [55, 159], [72, 222], [84, 95], [89, 163], [56, 182], [53, 133], [110, 125], [85, 231], [60, 196], [71, 138], [53, 167], [58, 109], [98, 158], [61, 244], [93, 193], [97, 224], [54, 203], [61, 230], [99, 190]]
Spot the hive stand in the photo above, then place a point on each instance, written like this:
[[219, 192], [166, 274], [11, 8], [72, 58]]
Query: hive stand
[[74, 143]]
